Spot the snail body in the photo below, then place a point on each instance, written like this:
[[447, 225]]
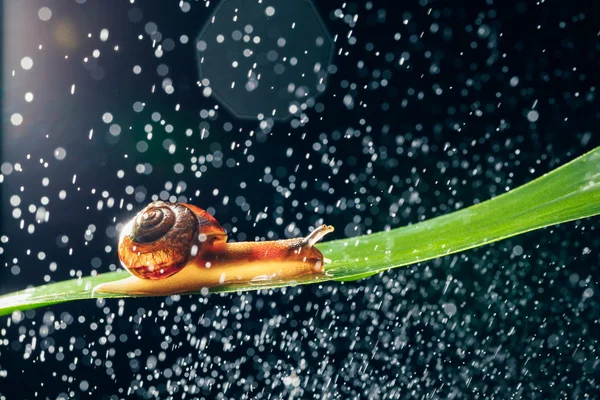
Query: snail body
[[172, 248]]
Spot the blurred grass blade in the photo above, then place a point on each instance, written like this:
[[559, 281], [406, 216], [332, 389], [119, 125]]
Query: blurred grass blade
[[565, 194]]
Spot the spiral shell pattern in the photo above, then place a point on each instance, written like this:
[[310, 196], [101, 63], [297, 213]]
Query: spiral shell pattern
[[162, 238]]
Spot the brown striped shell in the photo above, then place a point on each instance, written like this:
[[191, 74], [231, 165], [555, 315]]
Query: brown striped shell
[[162, 238]]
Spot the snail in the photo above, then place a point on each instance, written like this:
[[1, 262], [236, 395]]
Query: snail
[[172, 248]]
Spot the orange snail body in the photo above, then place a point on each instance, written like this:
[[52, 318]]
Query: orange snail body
[[172, 248]]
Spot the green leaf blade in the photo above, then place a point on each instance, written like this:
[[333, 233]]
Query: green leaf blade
[[568, 193]]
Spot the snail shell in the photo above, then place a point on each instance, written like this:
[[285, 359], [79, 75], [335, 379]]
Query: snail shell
[[164, 237]]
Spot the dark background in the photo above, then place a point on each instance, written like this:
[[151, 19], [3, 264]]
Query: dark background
[[506, 320]]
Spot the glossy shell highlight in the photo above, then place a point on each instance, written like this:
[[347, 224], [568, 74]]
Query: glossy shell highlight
[[164, 237]]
